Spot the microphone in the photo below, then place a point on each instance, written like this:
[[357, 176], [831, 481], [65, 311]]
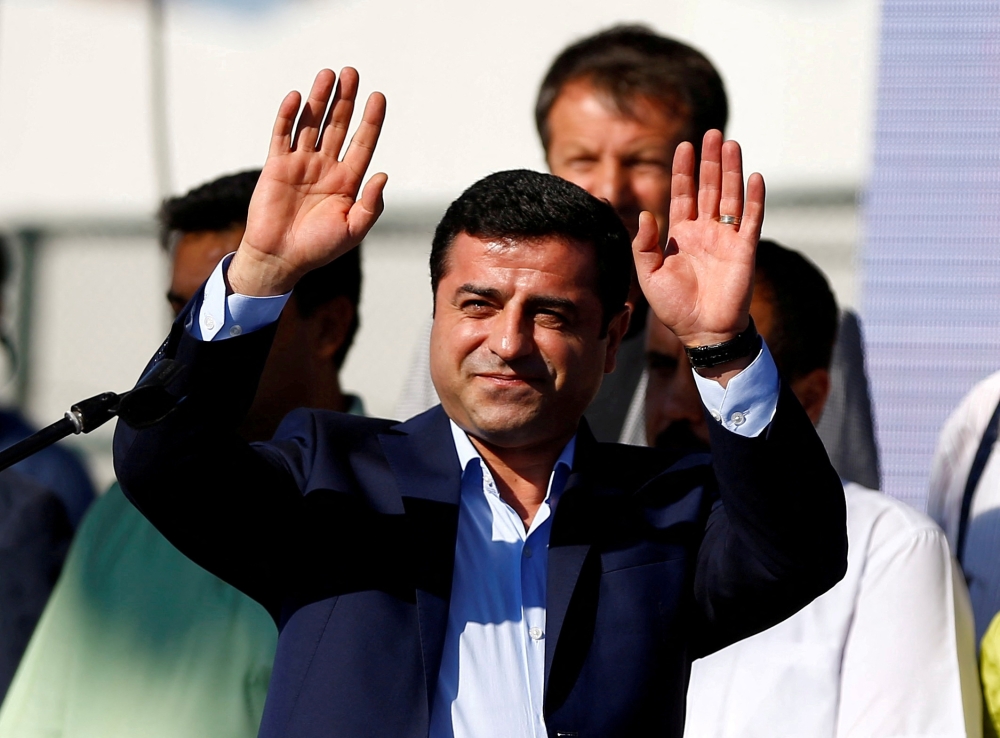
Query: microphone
[[146, 404]]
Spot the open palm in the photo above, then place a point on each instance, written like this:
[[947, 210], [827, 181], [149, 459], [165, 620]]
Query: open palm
[[305, 210], [700, 285]]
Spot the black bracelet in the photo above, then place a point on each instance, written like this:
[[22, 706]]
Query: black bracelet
[[745, 344]]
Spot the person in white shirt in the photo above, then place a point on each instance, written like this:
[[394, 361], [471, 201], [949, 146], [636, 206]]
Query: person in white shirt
[[964, 496], [889, 650]]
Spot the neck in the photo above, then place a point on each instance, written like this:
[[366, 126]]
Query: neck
[[522, 474]]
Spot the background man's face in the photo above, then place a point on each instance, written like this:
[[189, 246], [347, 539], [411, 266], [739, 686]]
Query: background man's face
[[674, 415], [624, 159], [195, 256], [516, 352]]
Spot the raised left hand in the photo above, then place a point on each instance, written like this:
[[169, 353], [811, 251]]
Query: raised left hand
[[700, 285]]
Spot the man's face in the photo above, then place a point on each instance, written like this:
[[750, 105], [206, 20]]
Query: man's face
[[675, 418], [624, 159], [195, 256], [516, 347]]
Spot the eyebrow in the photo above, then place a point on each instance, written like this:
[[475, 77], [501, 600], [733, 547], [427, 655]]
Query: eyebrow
[[534, 302], [489, 293]]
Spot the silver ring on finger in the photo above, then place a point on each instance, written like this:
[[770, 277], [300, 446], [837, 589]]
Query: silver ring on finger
[[733, 220]]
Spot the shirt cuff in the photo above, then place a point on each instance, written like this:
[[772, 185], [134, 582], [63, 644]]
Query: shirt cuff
[[222, 316], [746, 405]]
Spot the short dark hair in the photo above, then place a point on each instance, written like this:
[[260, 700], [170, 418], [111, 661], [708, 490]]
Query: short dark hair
[[525, 205], [214, 206], [805, 310], [628, 61], [223, 203]]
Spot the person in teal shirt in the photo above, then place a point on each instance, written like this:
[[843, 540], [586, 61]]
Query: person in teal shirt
[[137, 640]]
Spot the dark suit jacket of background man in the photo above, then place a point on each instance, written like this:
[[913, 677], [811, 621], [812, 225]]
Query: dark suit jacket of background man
[[344, 528]]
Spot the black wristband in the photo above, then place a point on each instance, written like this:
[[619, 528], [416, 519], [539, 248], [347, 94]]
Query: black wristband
[[745, 344]]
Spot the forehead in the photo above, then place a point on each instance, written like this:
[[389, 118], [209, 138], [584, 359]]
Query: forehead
[[549, 263], [196, 255], [582, 111]]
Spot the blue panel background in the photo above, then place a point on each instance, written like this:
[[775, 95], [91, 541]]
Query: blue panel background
[[930, 256]]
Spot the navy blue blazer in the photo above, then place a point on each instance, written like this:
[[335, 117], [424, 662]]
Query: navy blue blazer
[[344, 529]]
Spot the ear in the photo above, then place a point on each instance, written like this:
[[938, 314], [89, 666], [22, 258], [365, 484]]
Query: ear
[[812, 390], [616, 332], [328, 326]]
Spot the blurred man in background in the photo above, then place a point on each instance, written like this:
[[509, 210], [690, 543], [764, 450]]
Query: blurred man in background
[[34, 537], [56, 468], [610, 113], [138, 640], [964, 498], [889, 650]]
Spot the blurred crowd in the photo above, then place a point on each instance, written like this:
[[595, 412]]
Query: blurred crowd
[[107, 630]]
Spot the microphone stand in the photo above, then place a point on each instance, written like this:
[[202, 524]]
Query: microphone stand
[[147, 404]]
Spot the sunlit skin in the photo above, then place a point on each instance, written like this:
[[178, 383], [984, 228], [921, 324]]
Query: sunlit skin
[[622, 158], [300, 371], [517, 353], [504, 379], [672, 395]]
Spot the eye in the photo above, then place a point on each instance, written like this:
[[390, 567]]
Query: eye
[[477, 307], [650, 166], [582, 163], [551, 319]]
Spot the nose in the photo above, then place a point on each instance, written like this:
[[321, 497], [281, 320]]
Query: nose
[[611, 182], [511, 335]]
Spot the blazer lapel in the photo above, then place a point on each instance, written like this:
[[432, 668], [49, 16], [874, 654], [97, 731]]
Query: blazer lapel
[[573, 528], [422, 456]]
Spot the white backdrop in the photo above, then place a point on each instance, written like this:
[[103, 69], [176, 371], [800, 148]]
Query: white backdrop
[[460, 78], [77, 140]]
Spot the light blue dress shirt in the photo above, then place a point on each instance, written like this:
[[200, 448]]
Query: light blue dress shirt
[[491, 680], [492, 673]]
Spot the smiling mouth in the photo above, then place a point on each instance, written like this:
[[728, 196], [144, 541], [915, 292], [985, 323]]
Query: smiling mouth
[[509, 380]]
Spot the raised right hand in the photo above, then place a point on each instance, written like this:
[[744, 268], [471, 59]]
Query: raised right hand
[[305, 210]]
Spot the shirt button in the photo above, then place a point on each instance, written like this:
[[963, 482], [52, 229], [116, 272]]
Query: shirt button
[[235, 330], [209, 322], [527, 552], [535, 633], [715, 415], [738, 418]]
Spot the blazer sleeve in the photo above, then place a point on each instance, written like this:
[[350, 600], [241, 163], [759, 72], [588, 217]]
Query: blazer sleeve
[[232, 507], [777, 539]]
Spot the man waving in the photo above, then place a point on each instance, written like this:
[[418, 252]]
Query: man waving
[[487, 568]]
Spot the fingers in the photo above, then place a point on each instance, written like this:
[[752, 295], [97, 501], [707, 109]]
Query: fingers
[[369, 207], [710, 178], [732, 181], [753, 212], [307, 133], [337, 122], [359, 153], [281, 134], [646, 246], [682, 185]]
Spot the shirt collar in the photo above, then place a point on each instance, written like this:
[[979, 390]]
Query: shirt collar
[[560, 472]]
